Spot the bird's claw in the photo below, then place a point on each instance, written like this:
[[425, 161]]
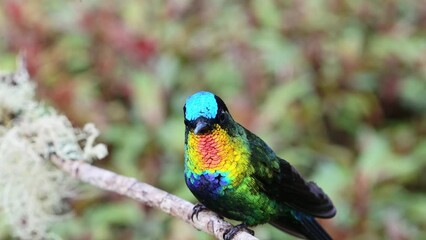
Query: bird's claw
[[230, 233], [197, 209]]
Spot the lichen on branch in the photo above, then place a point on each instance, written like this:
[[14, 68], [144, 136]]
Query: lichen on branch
[[32, 189]]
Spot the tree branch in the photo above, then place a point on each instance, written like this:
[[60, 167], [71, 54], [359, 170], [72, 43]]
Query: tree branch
[[208, 221]]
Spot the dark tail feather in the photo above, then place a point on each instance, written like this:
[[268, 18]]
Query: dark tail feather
[[313, 230], [305, 227]]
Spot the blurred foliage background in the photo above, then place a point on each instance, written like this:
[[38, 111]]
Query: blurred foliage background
[[337, 87]]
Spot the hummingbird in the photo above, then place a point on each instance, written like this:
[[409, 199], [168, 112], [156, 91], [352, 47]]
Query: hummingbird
[[234, 173]]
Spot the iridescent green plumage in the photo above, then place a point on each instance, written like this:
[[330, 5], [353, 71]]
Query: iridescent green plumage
[[236, 174]]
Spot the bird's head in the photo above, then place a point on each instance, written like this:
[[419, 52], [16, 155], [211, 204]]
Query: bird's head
[[204, 111]]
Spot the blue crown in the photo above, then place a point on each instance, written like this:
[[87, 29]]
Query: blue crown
[[201, 104]]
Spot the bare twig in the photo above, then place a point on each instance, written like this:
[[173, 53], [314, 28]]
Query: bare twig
[[208, 222]]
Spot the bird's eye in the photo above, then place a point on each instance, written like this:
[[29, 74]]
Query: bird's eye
[[222, 116]]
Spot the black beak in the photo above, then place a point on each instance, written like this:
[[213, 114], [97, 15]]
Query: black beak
[[201, 125]]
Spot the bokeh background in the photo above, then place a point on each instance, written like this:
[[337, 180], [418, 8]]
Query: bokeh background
[[337, 87]]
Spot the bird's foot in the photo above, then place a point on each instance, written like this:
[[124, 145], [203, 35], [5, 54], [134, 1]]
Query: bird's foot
[[197, 209], [230, 233]]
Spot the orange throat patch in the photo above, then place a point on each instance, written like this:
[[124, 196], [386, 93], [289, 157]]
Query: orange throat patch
[[216, 151]]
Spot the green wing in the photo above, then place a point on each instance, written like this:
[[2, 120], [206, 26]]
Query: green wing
[[281, 181]]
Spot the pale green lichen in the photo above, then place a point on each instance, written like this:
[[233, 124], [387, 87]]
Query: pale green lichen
[[16, 91], [32, 189]]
